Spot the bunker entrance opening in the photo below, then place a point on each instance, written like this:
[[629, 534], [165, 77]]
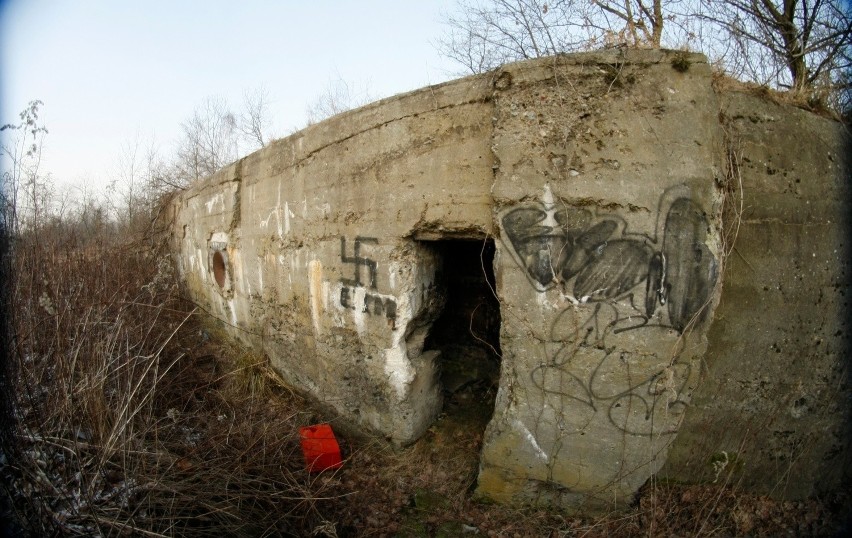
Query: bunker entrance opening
[[467, 332]]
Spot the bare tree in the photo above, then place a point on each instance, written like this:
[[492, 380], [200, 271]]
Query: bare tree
[[209, 142], [255, 121], [213, 137], [800, 45], [128, 182], [25, 191], [337, 97], [485, 34], [136, 182], [797, 44], [642, 20]]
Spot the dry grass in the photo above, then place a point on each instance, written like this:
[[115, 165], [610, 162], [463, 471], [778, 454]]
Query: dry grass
[[122, 416], [129, 416], [805, 100], [426, 491]]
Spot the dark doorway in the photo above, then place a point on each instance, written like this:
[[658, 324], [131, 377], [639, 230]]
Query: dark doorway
[[468, 331]]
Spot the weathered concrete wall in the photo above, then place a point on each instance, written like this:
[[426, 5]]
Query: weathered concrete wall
[[317, 236], [604, 178], [608, 207], [772, 411]]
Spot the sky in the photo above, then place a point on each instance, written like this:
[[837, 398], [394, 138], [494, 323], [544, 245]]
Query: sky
[[114, 72]]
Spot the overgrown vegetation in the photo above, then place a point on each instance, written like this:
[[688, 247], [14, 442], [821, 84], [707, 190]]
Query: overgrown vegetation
[[124, 412], [802, 47], [118, 417]]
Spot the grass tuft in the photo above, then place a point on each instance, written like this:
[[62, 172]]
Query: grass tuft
[[124, 418]]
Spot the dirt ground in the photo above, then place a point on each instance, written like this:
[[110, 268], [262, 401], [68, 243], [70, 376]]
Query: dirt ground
[[427, 490], [221, 457]]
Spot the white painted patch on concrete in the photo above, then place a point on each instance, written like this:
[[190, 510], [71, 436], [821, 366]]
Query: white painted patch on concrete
[[264, 223], [315, 290], [233, 307], [287, 216], [282, 226], [547, 196], [219, 237], [358, 314], [202, 269], [236, 263], [219, 197], [398, 368], [337, 316], [278, 212], [326, 293], [392, 270], [550, 221], [531, 439]]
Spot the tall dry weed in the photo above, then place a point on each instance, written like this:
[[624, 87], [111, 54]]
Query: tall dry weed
[[120, 418]]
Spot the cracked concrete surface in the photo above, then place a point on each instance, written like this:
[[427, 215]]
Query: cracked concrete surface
[[627, 331]]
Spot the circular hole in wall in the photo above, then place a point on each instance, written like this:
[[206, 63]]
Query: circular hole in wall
[[219, 268]]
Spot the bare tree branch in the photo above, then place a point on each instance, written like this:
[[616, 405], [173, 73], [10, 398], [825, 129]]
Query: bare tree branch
[[802, 45], [804, 41], [337, 97], [254, 121], [484, 34]]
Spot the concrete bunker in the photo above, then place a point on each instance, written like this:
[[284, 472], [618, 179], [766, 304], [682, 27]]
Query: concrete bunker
[[354, 254], [467, 329]]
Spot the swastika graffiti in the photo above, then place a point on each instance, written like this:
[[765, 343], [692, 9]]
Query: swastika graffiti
[[372, 303]]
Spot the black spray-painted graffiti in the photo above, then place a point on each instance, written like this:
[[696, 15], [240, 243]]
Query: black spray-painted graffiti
[[358, 261], [661, 284], [373, 303]]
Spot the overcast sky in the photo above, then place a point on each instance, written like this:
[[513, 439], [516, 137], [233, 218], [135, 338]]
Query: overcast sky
[[113, 71]]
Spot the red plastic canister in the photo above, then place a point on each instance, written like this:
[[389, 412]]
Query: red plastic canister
[[320, 448]]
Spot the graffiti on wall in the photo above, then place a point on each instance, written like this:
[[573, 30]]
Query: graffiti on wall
[[616, 282], [360, 292]]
